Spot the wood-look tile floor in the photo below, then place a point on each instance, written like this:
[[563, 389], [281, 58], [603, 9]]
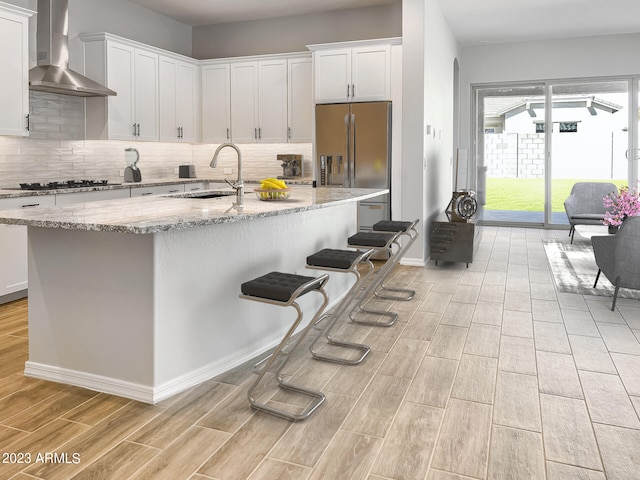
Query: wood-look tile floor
[[490, 373]]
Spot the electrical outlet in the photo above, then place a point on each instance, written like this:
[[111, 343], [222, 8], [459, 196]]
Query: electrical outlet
[[228, 171]]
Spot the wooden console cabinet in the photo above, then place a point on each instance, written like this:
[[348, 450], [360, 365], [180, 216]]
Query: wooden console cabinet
[[453, 241]]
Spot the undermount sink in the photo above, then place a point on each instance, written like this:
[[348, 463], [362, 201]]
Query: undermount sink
[[207, 194]]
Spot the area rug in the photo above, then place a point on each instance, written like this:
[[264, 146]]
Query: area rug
[[574, 270]]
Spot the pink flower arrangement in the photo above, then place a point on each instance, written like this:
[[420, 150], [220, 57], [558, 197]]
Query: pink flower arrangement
[[620, 206]]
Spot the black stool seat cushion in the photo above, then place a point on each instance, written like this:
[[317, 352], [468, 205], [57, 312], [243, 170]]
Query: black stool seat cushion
[[370, 239], [331, 258], [277, 286], [392, 226]]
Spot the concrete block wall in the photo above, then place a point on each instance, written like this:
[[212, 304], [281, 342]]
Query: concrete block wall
[[513, 155]]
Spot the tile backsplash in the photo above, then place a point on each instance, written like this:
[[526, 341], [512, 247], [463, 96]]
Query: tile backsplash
[[52, 151]]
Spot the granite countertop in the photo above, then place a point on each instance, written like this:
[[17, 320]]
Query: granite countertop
[[9, 192], [180, 211]]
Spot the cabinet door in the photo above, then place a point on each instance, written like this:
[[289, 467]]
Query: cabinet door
[[371, 73], [300, 101], [332, 76], [120, 123], [244, 96], [216, 103], [146, 95], [167, 99], [14, 81], [13, 244], [95, 196], [187, 101], [272, 101]]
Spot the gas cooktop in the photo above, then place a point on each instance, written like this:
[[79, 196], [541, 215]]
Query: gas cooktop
[[65, 184]]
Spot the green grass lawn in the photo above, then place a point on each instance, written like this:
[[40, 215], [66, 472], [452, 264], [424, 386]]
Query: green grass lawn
[[527, 194]]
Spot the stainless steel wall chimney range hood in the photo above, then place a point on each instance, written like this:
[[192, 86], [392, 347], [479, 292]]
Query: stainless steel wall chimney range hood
[[53, 74]]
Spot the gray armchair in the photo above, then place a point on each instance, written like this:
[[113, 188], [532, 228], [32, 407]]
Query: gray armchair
[[584, 205], [618, 257]]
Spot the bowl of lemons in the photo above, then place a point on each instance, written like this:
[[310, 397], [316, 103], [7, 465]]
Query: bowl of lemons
[[272, 189]]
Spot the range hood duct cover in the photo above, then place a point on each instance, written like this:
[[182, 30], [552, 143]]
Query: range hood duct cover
[[52, 74]]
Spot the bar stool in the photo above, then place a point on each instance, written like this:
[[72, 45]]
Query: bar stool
[[345, 261], [283, 289], [381, 241], [405, 229]]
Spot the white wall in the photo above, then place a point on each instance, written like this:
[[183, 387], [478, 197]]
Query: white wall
[[429, 52], [613, 55], [292, 34]]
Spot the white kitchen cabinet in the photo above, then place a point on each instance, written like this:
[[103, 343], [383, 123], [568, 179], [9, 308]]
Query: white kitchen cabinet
[[244, 102], [94, 196], [216, 103], [259, 101], [194, 187], [357, 73], [157, 190], [300, 100], [13, 245], [265, 99], [177, 100], [14, 81], [272, 101], [132, 72]]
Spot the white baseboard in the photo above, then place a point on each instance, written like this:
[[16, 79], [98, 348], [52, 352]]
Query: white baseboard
[[146, 393], [413, 262]]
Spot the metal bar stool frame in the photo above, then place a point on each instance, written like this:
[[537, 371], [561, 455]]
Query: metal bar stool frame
[[412, 233], [335, 315], [367, 294], [270, 360]]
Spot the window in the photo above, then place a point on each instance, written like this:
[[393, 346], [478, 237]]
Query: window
[[568, 127], [539, 127]]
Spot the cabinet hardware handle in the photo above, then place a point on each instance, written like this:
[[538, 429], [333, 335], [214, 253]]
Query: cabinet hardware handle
[[228, 134], [353, 90], [134, 129], [347, 90], [144, 194], [260, 133], [289, 133], [30, 205], [138, 130], [255, 133], [28, 124], [174, 191], [178, 128]]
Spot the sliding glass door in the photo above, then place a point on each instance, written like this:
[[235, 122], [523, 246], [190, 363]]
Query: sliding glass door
[[510, 153], [589, 138], [533, 142]]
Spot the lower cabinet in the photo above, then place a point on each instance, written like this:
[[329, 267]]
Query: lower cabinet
[[453, 241], [13, 247], [156, 190], [81, 197]]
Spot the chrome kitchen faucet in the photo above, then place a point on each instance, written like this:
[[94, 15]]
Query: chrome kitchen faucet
[[239, 185]]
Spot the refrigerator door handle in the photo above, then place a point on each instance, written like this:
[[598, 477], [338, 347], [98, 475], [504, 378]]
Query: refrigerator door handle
[[352, 152]]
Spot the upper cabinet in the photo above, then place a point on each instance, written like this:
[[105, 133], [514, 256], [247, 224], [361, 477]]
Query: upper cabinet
[[157, 91], [14, 81], [178, 99], [353, 72], [216, 103], [300, 100], [263, 99]]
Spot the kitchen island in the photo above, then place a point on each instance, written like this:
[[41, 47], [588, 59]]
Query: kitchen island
[[138, 297]]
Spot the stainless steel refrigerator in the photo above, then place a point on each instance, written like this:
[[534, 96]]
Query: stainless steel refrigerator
[[353, 149]]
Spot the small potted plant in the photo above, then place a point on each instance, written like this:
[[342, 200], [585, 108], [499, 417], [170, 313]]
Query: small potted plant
[[619, 206]]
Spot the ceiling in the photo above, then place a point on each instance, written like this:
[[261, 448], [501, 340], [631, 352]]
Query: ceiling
[[473, 22]]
